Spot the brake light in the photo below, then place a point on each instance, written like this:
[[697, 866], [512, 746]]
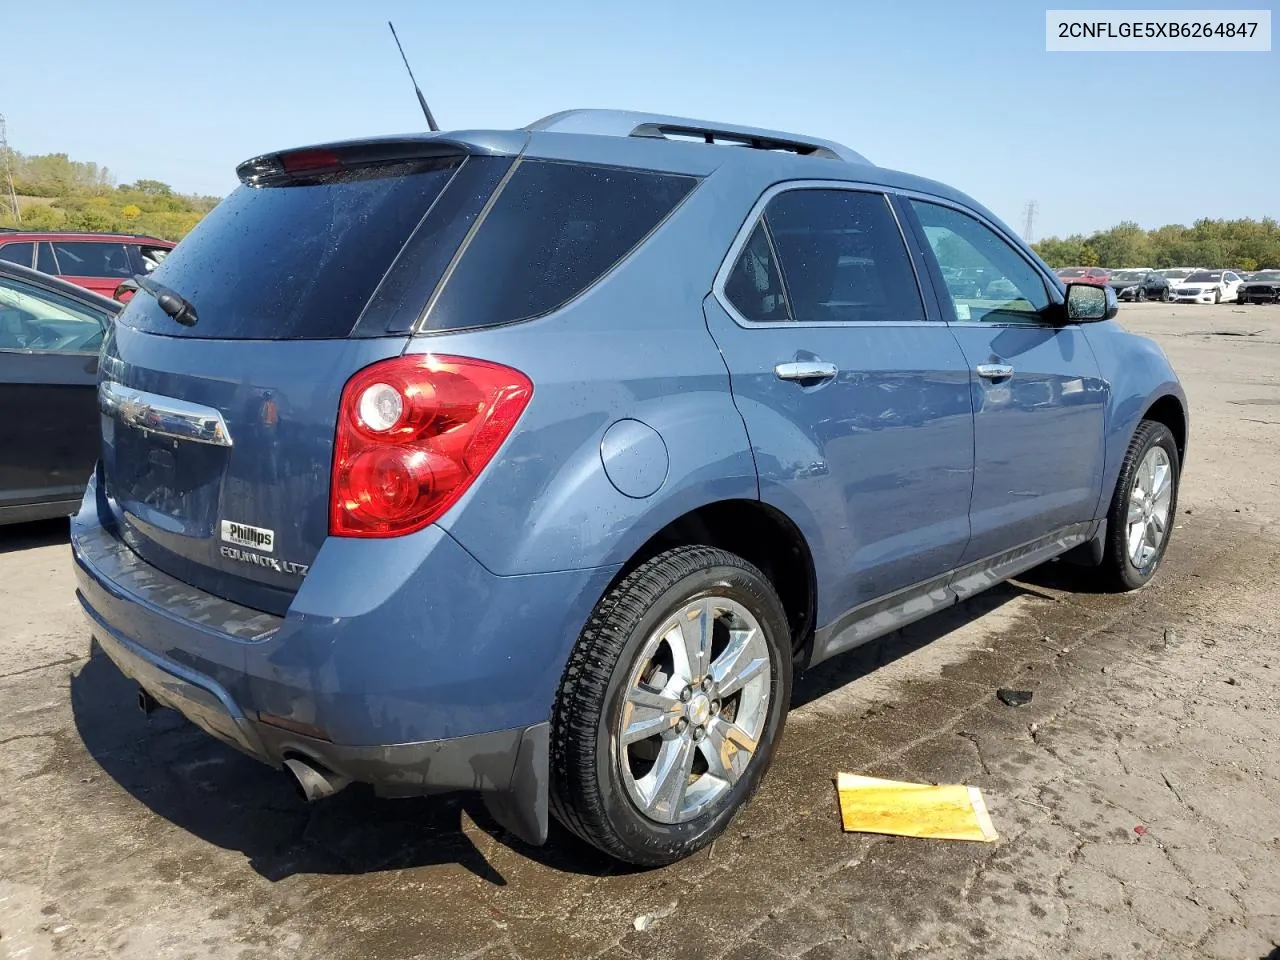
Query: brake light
[[413, 433], [310, 161]]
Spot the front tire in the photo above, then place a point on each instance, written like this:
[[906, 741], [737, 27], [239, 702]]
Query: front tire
[[1217, 296], [1143, 508], [671, 706]]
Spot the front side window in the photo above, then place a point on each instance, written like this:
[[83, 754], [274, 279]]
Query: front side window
[[37, 320], [19, 253], [987, 279], [93, 258], [842, 257]]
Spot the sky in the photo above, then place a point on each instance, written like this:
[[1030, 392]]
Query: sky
[[957, 91]]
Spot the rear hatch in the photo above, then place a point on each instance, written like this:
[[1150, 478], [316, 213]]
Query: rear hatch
[[218, 437]]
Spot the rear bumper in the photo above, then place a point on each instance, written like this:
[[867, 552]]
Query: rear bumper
[[436, 678]]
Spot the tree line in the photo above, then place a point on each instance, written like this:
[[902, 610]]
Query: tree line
[[1225, 244], [58, 193]]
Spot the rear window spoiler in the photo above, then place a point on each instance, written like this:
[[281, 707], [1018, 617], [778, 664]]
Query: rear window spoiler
[[351, 154]]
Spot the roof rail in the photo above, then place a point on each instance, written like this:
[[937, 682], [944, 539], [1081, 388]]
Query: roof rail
[[630, 123]]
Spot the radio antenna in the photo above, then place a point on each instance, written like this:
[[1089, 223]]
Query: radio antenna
[[422, 101]]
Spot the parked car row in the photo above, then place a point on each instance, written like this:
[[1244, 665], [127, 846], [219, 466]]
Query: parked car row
[[1181, 284], [100, 262]]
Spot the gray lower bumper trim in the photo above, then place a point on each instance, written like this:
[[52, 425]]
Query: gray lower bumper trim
[[509, 768]]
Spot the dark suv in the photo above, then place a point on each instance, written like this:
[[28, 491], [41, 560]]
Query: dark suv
[[536, 462], [96, 261]]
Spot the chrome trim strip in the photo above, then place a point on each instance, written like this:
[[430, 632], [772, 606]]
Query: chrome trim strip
[[163, 416]]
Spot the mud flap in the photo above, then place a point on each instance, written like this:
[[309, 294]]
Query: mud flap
[[524, 807], [1091, 552]]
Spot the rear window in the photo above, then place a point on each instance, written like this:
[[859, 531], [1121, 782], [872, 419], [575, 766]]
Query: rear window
[[296, 260], [555, 229]]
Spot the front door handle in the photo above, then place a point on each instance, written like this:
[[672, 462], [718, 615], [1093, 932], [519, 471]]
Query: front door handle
[[806, 370], [995, 371]]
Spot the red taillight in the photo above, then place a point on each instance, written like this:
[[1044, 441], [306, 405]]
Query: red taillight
[[413, 432]]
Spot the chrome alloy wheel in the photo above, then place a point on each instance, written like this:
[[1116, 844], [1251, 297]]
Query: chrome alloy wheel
[[694, 709], [1149, 501]]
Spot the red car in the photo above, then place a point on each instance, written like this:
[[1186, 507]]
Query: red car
[[1095, 275], [95, 261]]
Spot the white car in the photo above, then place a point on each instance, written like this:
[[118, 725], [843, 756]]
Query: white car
[[1207, 286], [1178, 274]]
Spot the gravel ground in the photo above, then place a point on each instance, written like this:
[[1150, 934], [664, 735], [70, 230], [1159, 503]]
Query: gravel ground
[[1137, 796]]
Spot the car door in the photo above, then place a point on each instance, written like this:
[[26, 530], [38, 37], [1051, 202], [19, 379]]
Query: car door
[[1038, 397], [855, 399], [49, 434], [1230, 286]]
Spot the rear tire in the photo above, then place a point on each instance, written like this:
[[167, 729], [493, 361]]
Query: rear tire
[[652, 752], [1143, 509]]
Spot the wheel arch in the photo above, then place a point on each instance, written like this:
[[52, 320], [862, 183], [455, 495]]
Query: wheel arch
[[760, 534], [1169, 410]]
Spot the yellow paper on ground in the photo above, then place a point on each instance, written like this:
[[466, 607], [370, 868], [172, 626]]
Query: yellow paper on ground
[[947, 812]]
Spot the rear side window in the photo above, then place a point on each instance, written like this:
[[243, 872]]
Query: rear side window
[[93, 258], [843, 257], [297, 260], [20, 253], [754, 286], [554, 230]]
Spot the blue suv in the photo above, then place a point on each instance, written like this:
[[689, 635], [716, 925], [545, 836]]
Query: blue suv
[[537, 462]]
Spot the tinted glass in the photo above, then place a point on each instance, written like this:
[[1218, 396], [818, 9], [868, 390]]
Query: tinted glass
[[842, 257], [35, 319], [1204, 276], [18, 253], [755, 286], [44, 259], [989, 280], [555, 229], [293, 261], [92, 258]]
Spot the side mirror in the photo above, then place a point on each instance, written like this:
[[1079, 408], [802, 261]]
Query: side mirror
[[124, 293], [1087, 303]]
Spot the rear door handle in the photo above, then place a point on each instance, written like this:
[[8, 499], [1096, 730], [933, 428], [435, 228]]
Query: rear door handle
[[806, 370], [995, 371]]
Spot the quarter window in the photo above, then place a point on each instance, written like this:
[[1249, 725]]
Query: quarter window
[[842, 257], [555, 230], [987, 279]]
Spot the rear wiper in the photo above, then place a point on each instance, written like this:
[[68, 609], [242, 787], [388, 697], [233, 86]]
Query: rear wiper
[[171, 302]]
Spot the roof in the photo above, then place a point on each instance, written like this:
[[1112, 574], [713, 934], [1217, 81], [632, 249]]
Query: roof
[[12, 234]]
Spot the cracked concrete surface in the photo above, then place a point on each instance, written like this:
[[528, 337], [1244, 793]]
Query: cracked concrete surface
[[1137, 796]]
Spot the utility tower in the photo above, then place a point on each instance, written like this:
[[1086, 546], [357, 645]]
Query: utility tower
[[1028, 220], [8, 173]]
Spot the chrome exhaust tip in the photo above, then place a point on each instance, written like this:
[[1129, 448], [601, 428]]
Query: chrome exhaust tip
[[312, 781]]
